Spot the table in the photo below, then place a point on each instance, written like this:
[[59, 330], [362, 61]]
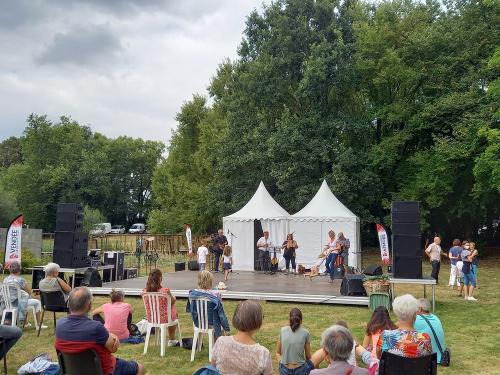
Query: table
[[424, 282], [75, 271]]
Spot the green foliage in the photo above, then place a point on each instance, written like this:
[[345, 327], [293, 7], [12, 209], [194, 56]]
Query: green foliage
[[8, 208], [92, 216], [10, 152], [29, 260]]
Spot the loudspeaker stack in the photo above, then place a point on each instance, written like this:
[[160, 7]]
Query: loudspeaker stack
[[407, 254], [70, 243]]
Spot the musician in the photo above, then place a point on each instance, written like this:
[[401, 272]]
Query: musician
[[344, 244], [218, 244], [333, 249], [289, 247], [264, 245], [330, 246]]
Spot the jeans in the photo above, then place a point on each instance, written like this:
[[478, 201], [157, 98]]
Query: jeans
[[332, 264], [202, 266], [327, 263], [10, 334], [124, 367], [217, 254], [289, 258], [436, 265], [305, 369], [264, 260], [474, 271]]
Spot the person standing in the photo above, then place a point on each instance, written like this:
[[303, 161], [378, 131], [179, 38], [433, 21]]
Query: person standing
[[469, 276], [289, 247], [218, 246], [423, 323], [202, 255], [264, 244], [434, 253], [454, 255], [344, 244], [475, 262], [227, 261]]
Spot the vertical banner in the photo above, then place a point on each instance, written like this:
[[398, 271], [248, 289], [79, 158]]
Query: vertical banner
[[189, 239], [13, 241], [384, 244]]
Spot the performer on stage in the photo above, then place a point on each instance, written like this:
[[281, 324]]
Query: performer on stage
[[329, 251], [289, 247], [345, 244], [334, 250], [219, 242], [264, 245]]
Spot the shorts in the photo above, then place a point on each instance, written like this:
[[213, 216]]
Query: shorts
[[226, 266], [305, 369], [470, 278], [124, 367], [202, 266]]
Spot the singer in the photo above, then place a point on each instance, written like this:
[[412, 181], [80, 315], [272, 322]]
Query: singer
[[264, 245]]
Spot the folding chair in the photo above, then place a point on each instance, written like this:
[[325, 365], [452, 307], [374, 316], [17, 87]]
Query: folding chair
[[202, 305], [53, 302]]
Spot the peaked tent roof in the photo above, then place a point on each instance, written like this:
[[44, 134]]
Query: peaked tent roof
[[325, 205], [260, 206]]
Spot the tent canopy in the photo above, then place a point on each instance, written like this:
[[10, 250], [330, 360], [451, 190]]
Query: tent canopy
[[260, 206]]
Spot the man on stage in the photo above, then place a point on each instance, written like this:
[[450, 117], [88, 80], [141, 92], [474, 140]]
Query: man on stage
[[218, 246], [264, 245]]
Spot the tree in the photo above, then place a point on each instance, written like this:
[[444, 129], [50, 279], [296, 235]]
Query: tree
[[10, 152]]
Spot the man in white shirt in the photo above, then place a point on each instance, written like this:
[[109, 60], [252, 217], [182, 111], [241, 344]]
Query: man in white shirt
[[434, 253], [264, 245]]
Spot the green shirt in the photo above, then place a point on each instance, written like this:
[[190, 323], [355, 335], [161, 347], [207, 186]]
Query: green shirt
[[292, 345]]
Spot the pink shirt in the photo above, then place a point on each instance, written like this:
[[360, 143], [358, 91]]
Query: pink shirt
[[115, 318]]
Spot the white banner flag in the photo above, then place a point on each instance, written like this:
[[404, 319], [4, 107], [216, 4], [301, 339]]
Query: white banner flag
[[384, 244], [189, 238], [13, 242]]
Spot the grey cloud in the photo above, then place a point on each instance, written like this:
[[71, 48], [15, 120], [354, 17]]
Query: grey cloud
[[16, 13], [89, 45]]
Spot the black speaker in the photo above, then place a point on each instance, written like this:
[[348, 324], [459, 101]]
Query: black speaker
[[130, 273], [407, 267], [193, 265], [69, 258], [69, 221], [352, 285], [404, 245], [69, 207], [78, 280], [91, 278], [180, 266], [405, 212], [338, 272], [37, 275], [117, 259], [373, 270], [406, 229], [71, 240]]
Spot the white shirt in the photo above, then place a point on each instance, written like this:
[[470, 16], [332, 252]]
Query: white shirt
[[202, 254], [261, 243], [226, 259]]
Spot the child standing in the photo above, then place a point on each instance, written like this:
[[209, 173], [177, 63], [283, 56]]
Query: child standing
[[227, 260], [202, 256]]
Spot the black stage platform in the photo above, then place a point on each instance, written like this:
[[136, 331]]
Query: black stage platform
[[249, 285]]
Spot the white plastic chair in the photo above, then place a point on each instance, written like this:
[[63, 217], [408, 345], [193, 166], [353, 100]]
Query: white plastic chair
[[154, 301], [11, 295], [203, 327]]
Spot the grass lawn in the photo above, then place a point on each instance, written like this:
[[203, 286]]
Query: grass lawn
[[472, 329]]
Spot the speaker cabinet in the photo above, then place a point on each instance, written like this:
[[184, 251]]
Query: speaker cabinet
[[373, 270], [71, 240], [38, 275], [352, 285], [405, 245], [180, 266], [130, 273], [91, 278], [407, 267], [338, 272], [69, 221], [117, 259], [69, 207], [193, 265], [69, 258]]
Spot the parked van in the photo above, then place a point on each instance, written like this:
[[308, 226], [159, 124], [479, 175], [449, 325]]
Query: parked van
[[100, 229], [137, 228]]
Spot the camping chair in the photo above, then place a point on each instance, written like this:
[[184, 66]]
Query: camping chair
[[393, 364], [153, 303], [4, 347], [53, 302], [11, 295], [203, 327], [83, 363]]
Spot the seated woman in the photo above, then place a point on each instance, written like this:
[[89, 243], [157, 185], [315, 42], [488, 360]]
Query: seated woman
[[154, 285], [240, 354], [380, 321], [117, 315], [293, 349], [26, 301], [337, 343], [405, 341], [216, 315], [52, 282]]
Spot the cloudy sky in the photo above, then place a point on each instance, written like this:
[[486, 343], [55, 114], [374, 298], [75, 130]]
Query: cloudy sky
[[124, 67]]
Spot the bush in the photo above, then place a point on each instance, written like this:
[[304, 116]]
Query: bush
[[28, 260]]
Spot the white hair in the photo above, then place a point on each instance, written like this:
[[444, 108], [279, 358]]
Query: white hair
[[405, 307], [15, 267], [425, 305], [338, 342], [51, 269]]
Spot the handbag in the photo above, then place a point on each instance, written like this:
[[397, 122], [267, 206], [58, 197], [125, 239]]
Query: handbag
[[445, 355]]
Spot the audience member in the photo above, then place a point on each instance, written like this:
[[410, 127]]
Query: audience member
[[468, 274], [76, 333], [10, 335], [240, 354], [352, 357], [26, 301], [154, 285], [52, 282], [337, 343], [380, 321], [117, 315], [454, 255], [216, 314], [475, 263], [423, 323], [405, 341], [293, 349]]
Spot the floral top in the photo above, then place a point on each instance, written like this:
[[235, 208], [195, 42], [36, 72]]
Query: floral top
[[405, 343], [163, 307]]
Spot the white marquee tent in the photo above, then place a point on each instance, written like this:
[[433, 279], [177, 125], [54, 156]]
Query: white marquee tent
[[239, 227], [311, 225]]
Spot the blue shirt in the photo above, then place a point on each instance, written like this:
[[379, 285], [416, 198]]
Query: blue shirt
[[455, 251], [422, 326]]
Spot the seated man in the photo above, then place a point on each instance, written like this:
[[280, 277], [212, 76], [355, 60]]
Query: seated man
[[11, 335], [423, 324], [77, 333]]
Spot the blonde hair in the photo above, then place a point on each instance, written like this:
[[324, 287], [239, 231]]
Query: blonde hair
[[472, 245], [227, 250], [205, 280]]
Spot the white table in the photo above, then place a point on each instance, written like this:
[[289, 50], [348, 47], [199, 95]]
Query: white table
[[424, 282], [75, 271]]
